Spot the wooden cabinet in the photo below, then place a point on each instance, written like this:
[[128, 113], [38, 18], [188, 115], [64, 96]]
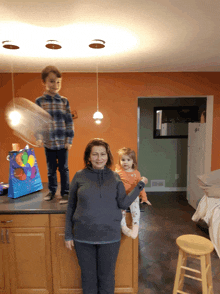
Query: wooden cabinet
[[25, 252], [66, 271], [34, 259]]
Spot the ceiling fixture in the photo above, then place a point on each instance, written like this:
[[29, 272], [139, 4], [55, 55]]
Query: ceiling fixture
[[24, 117], [53, 44], [97, 44], [13, 116], [9, 45]]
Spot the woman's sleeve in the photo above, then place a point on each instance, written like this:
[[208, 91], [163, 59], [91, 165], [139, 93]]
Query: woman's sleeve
[[124, 200], [72, 202]]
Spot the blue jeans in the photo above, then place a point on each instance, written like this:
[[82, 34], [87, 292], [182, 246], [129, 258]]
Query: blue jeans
[[57, 158], [97, 263]]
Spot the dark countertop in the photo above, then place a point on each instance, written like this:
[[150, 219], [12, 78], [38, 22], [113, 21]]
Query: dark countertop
[[32, 204]]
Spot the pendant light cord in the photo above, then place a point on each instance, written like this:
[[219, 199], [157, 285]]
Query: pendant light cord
[[13, 86], [97, 83]]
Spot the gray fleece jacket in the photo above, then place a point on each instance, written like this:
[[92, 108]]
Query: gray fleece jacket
[[94, 207]]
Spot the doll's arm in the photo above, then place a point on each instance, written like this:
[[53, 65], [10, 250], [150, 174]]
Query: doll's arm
[[135, 212]]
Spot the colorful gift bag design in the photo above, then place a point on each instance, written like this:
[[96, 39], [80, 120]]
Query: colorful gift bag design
[[24, 176]]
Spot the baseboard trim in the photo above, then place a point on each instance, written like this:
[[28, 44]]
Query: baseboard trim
[[165, 189]]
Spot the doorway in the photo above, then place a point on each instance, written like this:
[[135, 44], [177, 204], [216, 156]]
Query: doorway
[[164, 161]]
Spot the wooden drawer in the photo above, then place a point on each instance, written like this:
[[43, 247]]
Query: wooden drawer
[[24, 220]]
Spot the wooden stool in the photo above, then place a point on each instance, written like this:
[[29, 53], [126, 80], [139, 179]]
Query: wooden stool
[[195, 247]]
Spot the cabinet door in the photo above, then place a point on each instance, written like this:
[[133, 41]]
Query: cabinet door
[[66, 270], [126, 272], [30, 260], [4, 274]]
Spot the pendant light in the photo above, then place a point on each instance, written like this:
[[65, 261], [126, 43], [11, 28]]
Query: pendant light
[[24, 117], [14, 116], [97, 44], [97, 116]]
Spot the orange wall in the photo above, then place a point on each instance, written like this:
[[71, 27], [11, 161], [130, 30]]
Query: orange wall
[[118, 93]]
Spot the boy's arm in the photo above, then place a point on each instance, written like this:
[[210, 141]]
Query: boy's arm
[[69, 124], [38, 135]]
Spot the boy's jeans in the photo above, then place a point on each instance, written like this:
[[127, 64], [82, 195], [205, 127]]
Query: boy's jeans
[[57, 158]]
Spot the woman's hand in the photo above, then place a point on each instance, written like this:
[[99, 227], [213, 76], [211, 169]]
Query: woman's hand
[[145, 180], [69, 244]]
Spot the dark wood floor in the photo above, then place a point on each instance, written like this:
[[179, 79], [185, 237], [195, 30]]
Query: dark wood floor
[[168, 218]]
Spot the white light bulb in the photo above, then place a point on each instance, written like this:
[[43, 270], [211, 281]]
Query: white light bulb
[[98, 121], [98, 115], [15, 118]]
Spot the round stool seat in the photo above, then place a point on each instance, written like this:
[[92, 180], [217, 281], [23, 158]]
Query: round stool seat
[[196, 245]]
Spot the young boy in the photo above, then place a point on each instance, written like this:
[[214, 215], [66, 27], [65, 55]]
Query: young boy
[[60, 133]]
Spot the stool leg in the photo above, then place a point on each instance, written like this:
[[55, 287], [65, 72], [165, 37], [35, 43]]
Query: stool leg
[[209, 274], [179, 276], [203, 274]]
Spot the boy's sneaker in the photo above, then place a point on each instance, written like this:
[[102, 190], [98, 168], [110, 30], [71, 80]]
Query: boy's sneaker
[[49, 196], [64, 199]]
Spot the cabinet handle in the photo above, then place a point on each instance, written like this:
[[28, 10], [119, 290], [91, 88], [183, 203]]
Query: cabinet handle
[[5, 222], [7, 236], [2, 236]]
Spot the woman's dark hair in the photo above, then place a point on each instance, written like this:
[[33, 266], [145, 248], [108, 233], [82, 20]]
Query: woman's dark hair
[[97, 142], [129, 152], [48, 69]]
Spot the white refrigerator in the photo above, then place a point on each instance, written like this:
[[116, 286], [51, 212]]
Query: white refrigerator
[[195, 161]]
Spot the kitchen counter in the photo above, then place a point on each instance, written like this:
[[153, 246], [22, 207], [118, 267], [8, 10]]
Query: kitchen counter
[[31, 204]]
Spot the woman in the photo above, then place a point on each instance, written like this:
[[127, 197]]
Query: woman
[[97, 196]]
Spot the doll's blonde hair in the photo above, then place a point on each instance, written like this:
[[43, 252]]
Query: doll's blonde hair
[[129, 152]]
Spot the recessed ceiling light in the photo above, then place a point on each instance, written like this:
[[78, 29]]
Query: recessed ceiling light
[[10, 45], [97, 44], [53, 44]]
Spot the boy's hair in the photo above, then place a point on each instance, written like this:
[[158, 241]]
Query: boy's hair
[[129, 152], [48, 69], [97, 142]]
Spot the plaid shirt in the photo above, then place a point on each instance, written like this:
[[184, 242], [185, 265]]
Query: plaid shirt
[[61, 131]]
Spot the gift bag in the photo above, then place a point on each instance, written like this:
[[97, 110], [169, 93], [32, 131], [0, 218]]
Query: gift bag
[[24, 176]]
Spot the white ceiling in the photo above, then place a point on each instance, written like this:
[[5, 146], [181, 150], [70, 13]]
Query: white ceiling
[[140, 35]]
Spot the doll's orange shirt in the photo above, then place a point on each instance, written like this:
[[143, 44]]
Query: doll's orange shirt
[[130, 181]]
